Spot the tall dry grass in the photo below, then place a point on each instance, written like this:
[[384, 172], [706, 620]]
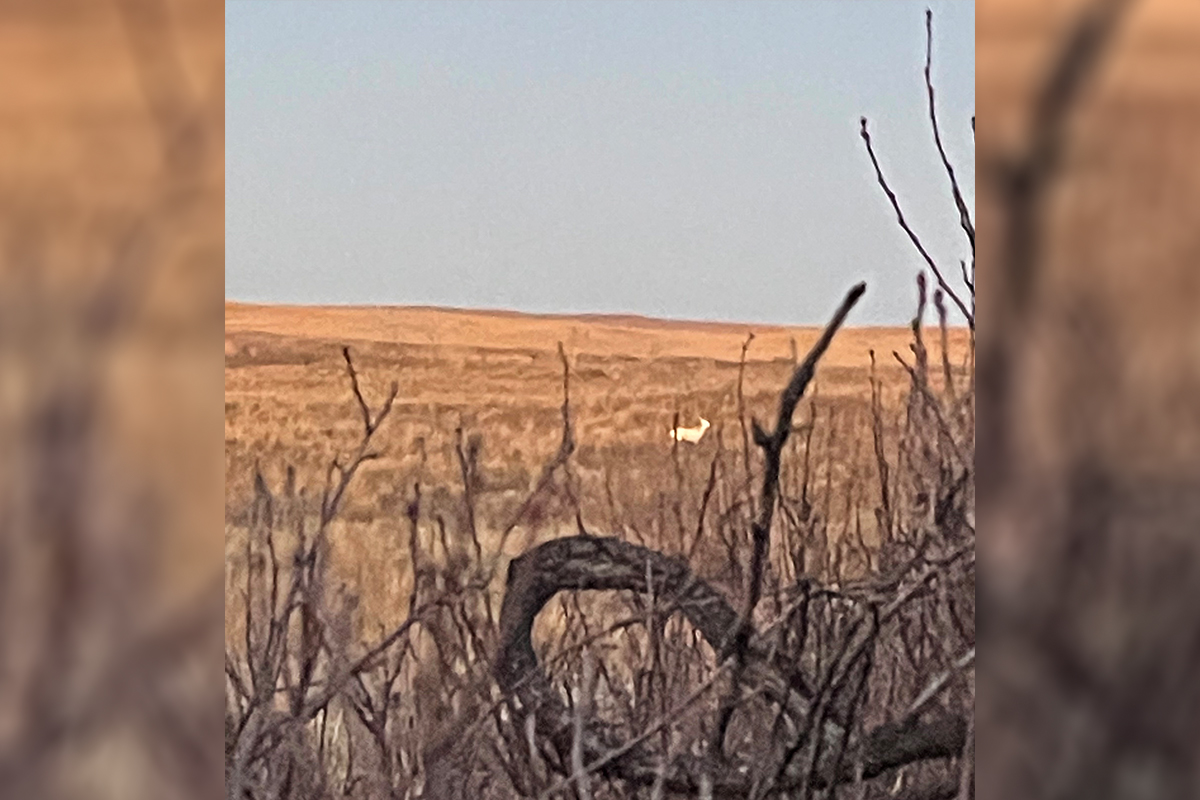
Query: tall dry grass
[[422, 704]]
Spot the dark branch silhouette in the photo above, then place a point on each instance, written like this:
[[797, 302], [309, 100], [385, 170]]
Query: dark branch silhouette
[[583, 563]]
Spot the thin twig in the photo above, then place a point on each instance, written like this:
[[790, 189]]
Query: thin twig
[[903, 222], [964, 215], [741, 402], [565, 449]]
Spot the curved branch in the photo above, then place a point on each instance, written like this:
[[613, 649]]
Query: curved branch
[[578, 563], [592, 562], [596, 563]]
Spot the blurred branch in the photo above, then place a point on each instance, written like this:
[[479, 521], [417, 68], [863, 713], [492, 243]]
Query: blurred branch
[[148, 659], [1024, 180], [186, 125], [95, 661], [1025, 177], [160, 71]]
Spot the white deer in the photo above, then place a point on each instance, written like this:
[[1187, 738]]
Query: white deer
[[692, 435]]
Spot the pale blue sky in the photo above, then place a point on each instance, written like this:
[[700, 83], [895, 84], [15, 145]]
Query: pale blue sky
[[695, 160]]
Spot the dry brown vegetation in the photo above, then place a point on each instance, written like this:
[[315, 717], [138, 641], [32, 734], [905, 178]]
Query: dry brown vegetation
[[422, 542], [465, 559], [287, 406]]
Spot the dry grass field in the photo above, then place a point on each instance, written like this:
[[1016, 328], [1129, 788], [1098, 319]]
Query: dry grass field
[[497, 375], [469, 477]]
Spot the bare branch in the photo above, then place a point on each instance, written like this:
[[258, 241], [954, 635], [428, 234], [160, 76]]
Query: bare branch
[[741, 402], [358, 395], [964, 215], [565, 449], [916, 240], [332, 497], [582, 712], [593, 563], [773, 443]]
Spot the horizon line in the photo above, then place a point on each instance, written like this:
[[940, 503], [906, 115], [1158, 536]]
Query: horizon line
[[597, 316]]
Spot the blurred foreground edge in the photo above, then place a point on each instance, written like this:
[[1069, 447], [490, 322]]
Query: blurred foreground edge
[[111, 285], [1089, 459]]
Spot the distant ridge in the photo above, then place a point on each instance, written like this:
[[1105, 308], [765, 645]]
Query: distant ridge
[[597, 334], [617, 319]]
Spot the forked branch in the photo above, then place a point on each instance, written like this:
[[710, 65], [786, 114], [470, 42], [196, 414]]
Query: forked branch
[[772, 443], [332, 497]]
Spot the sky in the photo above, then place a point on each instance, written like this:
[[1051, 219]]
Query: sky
[[688, 160]]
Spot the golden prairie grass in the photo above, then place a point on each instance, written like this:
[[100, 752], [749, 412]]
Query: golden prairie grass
[[419, 550], [289, 412]]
